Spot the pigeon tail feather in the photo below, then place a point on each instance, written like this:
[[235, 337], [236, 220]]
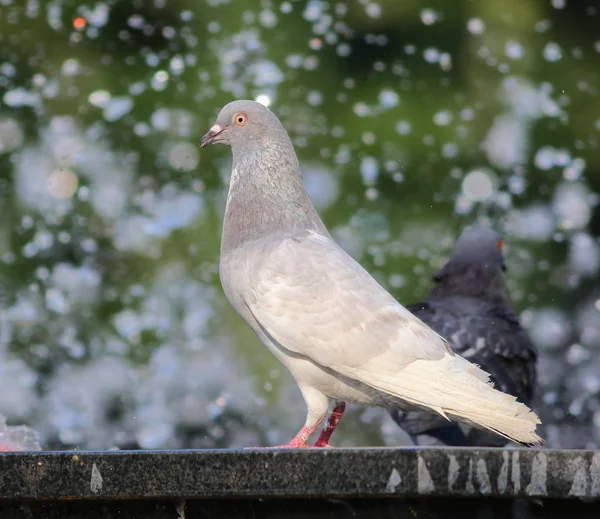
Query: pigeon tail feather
[[457, 389]]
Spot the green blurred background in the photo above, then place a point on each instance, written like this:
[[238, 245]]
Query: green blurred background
[[410, 122]]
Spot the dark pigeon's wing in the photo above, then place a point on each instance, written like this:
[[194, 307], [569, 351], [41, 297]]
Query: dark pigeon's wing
[[488, 336]]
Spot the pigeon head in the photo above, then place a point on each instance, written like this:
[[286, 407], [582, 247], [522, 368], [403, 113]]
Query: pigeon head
[[474, 268], [266, 193], [480, 246], [242, 123]]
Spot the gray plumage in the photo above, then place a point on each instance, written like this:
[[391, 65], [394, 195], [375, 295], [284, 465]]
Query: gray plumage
[[340, 334], [469, 305]]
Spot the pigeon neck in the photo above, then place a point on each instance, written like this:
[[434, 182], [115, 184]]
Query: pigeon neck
[[266, 196], [482, 282]]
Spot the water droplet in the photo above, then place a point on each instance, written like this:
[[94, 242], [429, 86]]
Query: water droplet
[[369, 170], [429, 16], [388, 98], [478, 185], [552, 52], [403, 127], [373, 10], [475, 26], [513, 50], [62, 183], [442, 118], [263, 99]]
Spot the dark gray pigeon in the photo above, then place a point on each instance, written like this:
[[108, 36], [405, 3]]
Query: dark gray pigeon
[[470, 307], [340, 334]]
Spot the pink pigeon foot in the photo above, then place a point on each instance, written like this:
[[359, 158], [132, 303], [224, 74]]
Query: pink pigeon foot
[[336, 415], [299, 441]]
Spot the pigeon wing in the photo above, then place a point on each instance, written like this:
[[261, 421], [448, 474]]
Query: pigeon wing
[[314, 300]]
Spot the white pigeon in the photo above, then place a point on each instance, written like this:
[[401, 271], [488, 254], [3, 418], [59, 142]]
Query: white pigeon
[[343, 337]]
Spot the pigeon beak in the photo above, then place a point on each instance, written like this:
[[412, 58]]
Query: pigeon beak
[[211, 136]]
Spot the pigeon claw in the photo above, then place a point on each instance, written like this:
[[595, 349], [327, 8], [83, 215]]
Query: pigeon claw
[[323, 445], [299, 441]]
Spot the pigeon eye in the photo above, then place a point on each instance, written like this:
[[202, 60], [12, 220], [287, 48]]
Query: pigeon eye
[[240, 119], [500, 245]]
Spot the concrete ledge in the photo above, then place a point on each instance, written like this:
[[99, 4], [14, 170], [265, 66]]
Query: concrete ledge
[[371, 479], [262, 473]]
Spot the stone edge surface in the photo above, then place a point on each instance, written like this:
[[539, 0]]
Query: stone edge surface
[[263, 473]]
